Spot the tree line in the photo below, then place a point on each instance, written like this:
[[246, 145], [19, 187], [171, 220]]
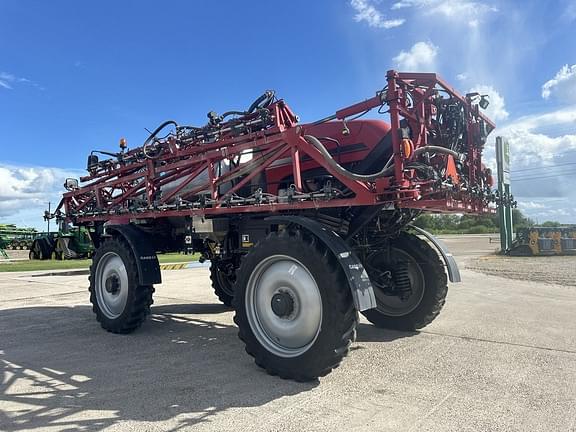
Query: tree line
[[471, 224]]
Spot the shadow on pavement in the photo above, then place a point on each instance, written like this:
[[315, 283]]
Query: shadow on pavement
[[59, 369], [370, 333]]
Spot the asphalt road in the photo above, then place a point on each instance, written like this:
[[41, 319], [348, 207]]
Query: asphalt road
[[501, 357]]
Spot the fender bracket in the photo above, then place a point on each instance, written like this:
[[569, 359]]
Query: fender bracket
[[145, 255], [358, 279], [451, 266]]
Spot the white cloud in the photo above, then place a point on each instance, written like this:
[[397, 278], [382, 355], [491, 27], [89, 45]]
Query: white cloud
[[420, 58], [565, 116], [562, 86], [570, 11], [8, 80], [530, 205], [462, 10], [25, 191], [365, 11], [462, 77], [533, 148], [543, 177], [497, 109]]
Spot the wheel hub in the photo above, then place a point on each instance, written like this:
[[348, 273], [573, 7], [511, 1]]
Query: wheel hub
[[112, 284], [282, 304]]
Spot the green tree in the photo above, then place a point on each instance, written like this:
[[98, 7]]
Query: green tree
[[521, 221]]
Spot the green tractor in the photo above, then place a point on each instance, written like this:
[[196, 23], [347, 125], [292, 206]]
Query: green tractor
[[67, 243], [16, 238], [3, 246]]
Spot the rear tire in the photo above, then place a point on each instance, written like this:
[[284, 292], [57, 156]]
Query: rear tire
[[431, 295], [222, 283], [121, 305], [294, 308]]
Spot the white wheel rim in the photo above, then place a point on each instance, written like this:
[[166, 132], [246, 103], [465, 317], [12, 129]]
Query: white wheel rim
[[111, 296], [280, 278]]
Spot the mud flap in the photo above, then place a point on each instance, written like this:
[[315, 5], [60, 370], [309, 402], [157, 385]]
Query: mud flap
[[146, 259], [358, 279], [451, 266]]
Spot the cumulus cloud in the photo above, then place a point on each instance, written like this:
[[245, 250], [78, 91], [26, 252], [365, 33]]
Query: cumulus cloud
[[26, 190], [365, 11], [497, 109], [542, 164], [563, 86], [420, 58]]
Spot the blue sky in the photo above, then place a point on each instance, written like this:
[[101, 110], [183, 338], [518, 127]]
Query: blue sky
[[75, 76]]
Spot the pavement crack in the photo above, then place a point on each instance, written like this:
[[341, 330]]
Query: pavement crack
[[44, 296], [471, 338], [431, 411]]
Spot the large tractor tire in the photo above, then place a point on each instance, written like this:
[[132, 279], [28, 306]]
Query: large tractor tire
[[222, 283], [294, 308], [409, 283], [120, 303], [41, 249]]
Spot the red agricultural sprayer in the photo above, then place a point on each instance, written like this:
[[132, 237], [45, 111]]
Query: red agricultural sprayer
[[304, 224]]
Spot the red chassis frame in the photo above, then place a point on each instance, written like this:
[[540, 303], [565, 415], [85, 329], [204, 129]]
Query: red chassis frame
[[112, 187]]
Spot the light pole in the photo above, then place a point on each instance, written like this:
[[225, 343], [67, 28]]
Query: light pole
[[48, 218]]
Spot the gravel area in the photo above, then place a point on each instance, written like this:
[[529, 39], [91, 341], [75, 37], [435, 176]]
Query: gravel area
[[16, 255], [559, 270]]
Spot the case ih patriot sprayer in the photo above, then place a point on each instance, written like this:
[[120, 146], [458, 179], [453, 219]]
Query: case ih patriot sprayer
[[305, 225]]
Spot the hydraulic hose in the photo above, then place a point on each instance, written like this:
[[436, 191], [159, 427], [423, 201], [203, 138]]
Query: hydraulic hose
[[386, 171], [262, 102], [157, 130], [436, 149]]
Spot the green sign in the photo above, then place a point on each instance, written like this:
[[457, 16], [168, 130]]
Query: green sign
[[503, 160]]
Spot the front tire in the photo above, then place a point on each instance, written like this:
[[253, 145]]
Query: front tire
[[427, 281], [121, 305], [294, 308]]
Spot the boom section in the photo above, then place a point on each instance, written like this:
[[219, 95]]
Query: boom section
[[435, 163]]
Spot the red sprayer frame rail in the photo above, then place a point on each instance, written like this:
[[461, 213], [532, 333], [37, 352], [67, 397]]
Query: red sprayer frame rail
[[127, 187]]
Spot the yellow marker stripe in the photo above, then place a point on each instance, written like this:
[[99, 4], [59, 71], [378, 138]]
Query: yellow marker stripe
[[173, 266]]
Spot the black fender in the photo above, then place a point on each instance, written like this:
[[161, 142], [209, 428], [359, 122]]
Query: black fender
[[144, 253], [451, 266], [358, 279]]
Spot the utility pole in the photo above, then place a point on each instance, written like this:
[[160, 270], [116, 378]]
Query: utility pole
[[504, 195]]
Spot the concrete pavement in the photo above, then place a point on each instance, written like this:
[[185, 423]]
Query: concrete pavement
[[501, 357]]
